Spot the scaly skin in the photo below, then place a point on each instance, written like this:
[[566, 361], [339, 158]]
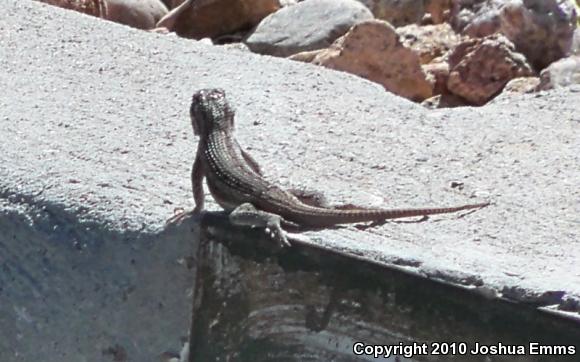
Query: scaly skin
[[234, 178]]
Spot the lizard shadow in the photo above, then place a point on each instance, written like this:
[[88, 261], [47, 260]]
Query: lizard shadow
[[422, 219]]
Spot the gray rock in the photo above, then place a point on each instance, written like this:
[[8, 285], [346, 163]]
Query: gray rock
[[309, 25], [576, 43], [142, 14], [562, 73], [542, 30]]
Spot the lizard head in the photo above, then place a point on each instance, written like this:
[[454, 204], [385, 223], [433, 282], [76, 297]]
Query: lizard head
[[210, 111]]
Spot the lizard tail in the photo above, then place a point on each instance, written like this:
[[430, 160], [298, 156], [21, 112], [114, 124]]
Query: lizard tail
[[321, 217]]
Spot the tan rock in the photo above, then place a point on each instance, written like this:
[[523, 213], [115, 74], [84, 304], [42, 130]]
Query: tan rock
[[372, 50], [480, 68], [198, 19], [430, 41]]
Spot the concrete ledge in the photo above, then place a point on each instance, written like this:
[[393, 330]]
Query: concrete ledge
[[97, 149]]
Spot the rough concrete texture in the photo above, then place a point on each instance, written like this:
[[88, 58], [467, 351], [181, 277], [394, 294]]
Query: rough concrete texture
[[96, 152]]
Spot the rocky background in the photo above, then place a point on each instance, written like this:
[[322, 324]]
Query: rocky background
[[442, 53]]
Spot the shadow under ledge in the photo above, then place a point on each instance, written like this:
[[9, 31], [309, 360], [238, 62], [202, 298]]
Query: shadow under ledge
[[253, 302]]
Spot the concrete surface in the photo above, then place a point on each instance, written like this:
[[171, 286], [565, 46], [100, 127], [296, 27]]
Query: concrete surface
[[96, 152]]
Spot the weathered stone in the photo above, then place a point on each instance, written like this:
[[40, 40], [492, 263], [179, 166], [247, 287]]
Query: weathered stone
[[438, 75], [444, 101], [576, 43], [142, 14], [480, 68], [397, 12], [214, 18], [430, 41], [241, 47], [540, 29], [306, 57], [284, 3], [562, 73], [309, 25], [438, 11], [91, 7], [372, 50], [521, 85], [171, 4]]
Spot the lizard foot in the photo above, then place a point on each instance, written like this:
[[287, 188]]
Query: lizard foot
[[247, 215], [179, 215]]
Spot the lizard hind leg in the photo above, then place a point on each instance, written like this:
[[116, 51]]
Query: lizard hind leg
[[310, 197], [247, 215], [317, 199]]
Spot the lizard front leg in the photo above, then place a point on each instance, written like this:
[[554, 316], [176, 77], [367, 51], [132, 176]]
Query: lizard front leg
[[247, 215], [197, 175]]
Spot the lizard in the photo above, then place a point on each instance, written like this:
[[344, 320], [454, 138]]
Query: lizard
[[236, 182]]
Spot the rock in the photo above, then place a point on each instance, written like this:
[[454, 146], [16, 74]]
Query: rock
[[309, 25], [430, 41], [172, 4], [306, 57], [284, 3], [372, 50], [444, 101], [540, 29], [575, 49], [91, 7], [198, 19], [141, 14], [438, 75], [480, 68], [397, 12], [516, 87], [438, 11], [562, 73], [521, 85], [241, 47]]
